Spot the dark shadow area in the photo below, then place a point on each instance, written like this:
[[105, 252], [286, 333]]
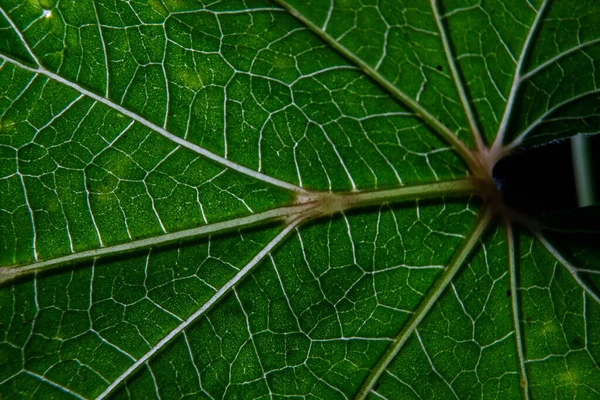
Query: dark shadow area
[[540, 182]]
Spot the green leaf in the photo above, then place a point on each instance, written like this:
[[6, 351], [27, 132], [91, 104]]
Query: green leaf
[[267, 199]]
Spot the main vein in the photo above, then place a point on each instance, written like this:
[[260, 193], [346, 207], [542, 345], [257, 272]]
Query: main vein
[[539, 120], [427, 303], [308, 205], [10, 273], [388, 86]]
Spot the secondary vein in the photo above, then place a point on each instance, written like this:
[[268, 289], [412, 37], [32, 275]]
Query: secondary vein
[[20, 35], [523, 135], [570, 267], [202, 310], [162, 131], [427, 303], [510, 244], [460, 86], [389, 87]]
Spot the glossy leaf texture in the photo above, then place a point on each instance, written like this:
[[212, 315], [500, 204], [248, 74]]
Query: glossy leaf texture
[[165, 209]]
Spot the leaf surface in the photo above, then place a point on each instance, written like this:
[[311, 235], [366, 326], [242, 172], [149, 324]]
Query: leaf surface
[[253, 199]]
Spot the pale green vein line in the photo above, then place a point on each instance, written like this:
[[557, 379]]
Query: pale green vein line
[[202, 310], [510, 242], [432, 366], [18, 32], [104, 51], [516, 83], [558, 57], [402, 382], [460, 85], [54, 384], [421, 112], [427, 303], [326, 203], [519, 140], [10, 273], [379, 395], [195, 365], [31, 215], [588, 271], [309, 205], [227, 12], [174, 138], [570, 267]]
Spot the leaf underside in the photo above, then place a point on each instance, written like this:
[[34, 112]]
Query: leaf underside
[[166, 217]]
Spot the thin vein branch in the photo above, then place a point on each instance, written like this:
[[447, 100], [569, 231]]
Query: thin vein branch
[[510, 242], [427, 303], [460, 85], [432, 365], [570, 267], [54, 384], [20, 35], [516, 83], [174, 138], [202, 310], [389, 87]]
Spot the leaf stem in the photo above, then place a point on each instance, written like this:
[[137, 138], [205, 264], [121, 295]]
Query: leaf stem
[[427, 303], [20, 35], [476, 134], [510, 244], [389, 87]]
